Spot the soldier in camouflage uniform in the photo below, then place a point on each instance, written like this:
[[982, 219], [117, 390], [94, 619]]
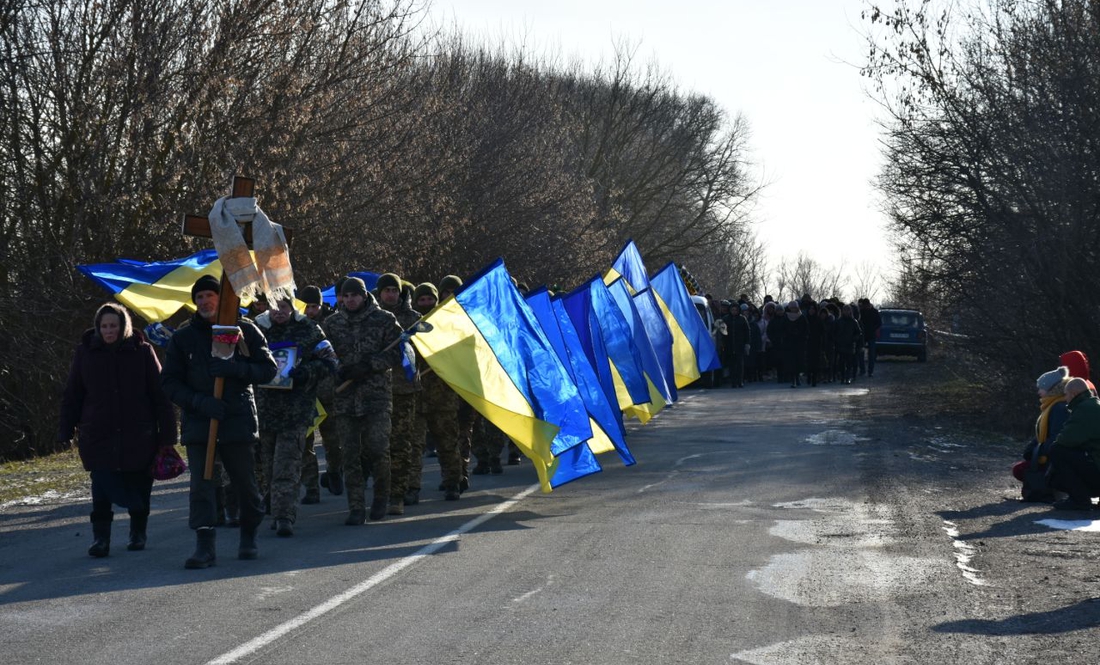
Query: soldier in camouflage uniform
[[316, 311], [285, 415], [396, 299], [438, 414], [365, 338], [488, 444], [467, 416]]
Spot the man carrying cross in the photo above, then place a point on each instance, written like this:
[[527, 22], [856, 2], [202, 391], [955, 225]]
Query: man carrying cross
[[188, 379]]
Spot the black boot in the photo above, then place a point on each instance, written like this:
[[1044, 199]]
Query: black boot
[[378, 508], [204, 556], [247, 548], [138, 523], [336, 483], [101, 531], [494, 467]]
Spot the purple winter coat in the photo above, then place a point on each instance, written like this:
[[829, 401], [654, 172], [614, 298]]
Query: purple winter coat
[[114, 400]]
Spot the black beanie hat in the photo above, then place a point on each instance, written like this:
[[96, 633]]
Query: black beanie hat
[[354, 285], [387, 280], [450, 283], [425, 289], [310, 295], [206, 283]]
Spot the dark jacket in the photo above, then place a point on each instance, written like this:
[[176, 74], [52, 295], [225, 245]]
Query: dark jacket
[[360, 339], [795, 334], [846, 335], [187, 374], [114, 399], [1082, 430]]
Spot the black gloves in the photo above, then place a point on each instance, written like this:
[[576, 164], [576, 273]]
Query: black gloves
[[229, 369], [209, 406], [354, 372], [300, 374]]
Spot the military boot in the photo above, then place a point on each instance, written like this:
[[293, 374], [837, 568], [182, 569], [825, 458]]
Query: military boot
[[378, 508], [204, 556], [101, 531], [247, 548]]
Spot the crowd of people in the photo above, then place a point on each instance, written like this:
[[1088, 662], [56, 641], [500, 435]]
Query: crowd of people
[[804, 341], [1061, 463], [381, 405]]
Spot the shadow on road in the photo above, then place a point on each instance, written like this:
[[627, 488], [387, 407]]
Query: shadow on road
[[1079, 616]]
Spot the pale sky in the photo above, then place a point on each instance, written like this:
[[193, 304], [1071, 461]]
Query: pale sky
[[790, 66]]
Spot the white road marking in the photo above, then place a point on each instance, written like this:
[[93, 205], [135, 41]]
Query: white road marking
[[254, 645], [520, 599], [670, 474]]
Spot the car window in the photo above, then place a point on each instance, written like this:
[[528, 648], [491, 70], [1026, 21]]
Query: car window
[[899, 319]]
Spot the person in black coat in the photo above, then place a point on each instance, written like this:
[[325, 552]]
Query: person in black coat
[[188, 379], [847, 336], [796, 330], [114, 401], [815, 344]]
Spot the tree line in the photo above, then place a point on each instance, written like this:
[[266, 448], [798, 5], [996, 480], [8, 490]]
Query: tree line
[[992, 176], [384, 146]]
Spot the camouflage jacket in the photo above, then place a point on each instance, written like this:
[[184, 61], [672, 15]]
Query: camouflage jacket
[[406, 318], [359, 339], [286, 410]]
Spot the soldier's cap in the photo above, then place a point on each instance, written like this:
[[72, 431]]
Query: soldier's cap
[[206, 283], [388, 280], [425, 289], [354, 285], [450, 283], [310, 295]]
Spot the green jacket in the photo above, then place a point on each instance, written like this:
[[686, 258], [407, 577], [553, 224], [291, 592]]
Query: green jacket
[[359, 338], [1082, 430]]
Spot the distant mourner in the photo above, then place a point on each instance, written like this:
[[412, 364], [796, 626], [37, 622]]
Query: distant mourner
[[113, 400]]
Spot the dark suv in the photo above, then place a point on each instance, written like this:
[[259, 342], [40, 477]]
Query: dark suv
[[902, 333]]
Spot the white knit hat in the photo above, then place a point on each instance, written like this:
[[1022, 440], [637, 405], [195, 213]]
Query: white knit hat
[[1051, 378]]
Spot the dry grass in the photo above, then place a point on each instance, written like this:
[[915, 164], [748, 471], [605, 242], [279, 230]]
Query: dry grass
[[53, 476]]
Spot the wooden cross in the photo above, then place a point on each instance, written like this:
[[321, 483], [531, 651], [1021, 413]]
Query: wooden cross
[[228, 301]]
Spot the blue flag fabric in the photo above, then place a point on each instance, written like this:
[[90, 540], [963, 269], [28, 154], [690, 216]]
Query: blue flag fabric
[[650, 365], [157, 290], [668, 285], [607, 340], [563, 338], [659, 336], [629, 265]]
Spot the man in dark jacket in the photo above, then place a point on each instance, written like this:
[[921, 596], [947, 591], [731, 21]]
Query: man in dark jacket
[[870, 320], [188, 380], [737, 343], [1075, 455], [364, 337], [846, 337]]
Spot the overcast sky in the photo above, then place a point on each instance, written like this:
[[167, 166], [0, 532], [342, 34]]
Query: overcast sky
[[791, 67]]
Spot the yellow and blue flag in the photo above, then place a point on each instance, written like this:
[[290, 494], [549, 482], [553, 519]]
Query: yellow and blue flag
[[606, 339], [659, 394], [692, 347], [155, 291], [607, 433], [487, 344], [631, 269]]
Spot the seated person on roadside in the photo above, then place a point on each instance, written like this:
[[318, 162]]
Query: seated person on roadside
[[1075, 455], [1032, 470]]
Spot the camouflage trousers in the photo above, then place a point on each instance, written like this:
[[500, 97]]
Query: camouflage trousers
[[489, 441], [330, 439], [443, 426], [365, 443], [401, 444], [467, 416], [282, 464]]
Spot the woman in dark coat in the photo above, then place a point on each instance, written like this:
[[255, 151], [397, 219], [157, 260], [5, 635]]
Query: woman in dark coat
[[113, 400]]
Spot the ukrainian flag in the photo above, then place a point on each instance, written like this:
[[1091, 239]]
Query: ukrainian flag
[[155, 291], [608, 344], [655, 380], [692, 347], [631, 269], [487, 344], [607, 434]]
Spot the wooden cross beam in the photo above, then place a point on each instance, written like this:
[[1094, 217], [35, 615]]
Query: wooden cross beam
[[228, 301]]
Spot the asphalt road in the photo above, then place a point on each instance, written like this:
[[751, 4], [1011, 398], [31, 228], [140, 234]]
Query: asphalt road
[[765, 525]]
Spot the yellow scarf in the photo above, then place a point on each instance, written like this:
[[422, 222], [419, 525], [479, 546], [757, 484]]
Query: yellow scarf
[[1042, 425]]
